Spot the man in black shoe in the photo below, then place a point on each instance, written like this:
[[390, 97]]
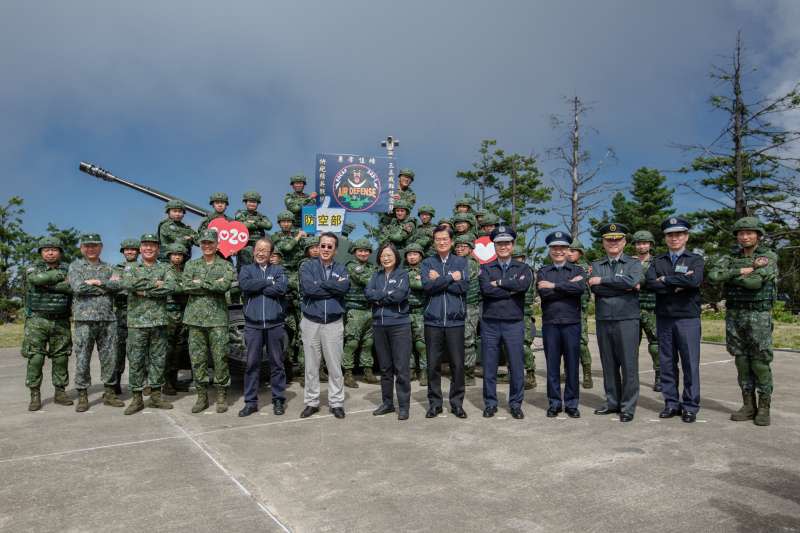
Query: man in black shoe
[[445, 280], [560, 286], [503, 284], [615, 282], [676, 277], [264, 288]]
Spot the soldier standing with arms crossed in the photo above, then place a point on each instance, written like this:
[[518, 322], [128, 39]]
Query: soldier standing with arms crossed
[[296, 199], [416, 305], [129, 248], [177, 334], [257, 225], [358, 320]]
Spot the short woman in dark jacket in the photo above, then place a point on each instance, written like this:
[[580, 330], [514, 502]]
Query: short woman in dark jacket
[[388, 291]]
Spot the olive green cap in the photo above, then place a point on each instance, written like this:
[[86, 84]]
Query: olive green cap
[[413, 247], [296, 178], [218, 197], [252, 196], [49, 242], [360, 244], [150, 237], [465, 239], [406, 172], [176, 248], [277, 251], [444, 221], [209, 235], [129, 243], [91, 238], [174, 204], [643, 236], [285, 215], [427, 209], [748, 223]]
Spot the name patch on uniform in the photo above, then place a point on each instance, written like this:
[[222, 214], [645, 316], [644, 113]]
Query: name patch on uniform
[[681, 269]]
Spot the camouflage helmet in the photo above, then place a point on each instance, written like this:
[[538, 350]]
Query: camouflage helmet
[[413, 247], [49, 242], [218, 197], [310, 241], [490, 219], [276, 251], [347, 228], [285, 215], [129, 243], [360, 244], [464, 200], [480, 213], [519, 251], [465, 239], [643, 236], [296, 178], [406, 172], [252, 196], [174, 204], [445, 221], [577, 245], [176, 248], [427, 209], [402, 204], [748, 223], [462, 217]]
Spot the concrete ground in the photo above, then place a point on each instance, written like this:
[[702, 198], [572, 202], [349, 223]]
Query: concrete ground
[[171, 470]]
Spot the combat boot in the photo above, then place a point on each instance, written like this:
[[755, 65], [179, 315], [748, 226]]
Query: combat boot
[[222, 399], [369, 377], [201, 404], [110, 397], [147, 391], [762, 414], [587, 377], [530, 380], [469, 378], [168, 389], [83, 401], [657, 381], [136, 404], [61, 397], [748, 409], [36, 399], [156, 402], [423, 377], [349, 380]]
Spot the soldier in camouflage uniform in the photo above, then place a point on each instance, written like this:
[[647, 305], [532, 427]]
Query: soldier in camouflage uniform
[[413, 255], [575, 255], [295, 200], [444, 222], [423, 234], [464, 244], [257, 226], [464, 205], [148, 283], [519, 254], [403, 194], [462, 224], [401, 228], [219, 202], [172, 230], [47, 330], [358, 321], [488, 222], [206, 280], [748, 277], [177, 333], [644, 241], [93, 285], [129, 248]]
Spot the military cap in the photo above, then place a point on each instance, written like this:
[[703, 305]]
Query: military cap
[[673, 225], [427, 209], [296, 178], [310, 241], [252, 196], [209, 235], [519, 251], [402, 204], [445, 221], [748, 223], [176, 248], [360, 244], [465, 239], [612, 230], [503, 234], [285, 215], [174, 204], [489, 219], [645, 236], [49, 242], [218, 197], [347, 228], [91, 238], [406, 172], [462, 217], [129, 243], [464, 200], [413, 247], [149, 237], [577, 245], [558, 238]]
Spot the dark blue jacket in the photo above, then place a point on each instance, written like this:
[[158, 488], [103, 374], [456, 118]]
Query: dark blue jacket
[[562, 304], [446, 306], [264, 295], [389, 298], [678, 295], [506, 300], [323, 294]]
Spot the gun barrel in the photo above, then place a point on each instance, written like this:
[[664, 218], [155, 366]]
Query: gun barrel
[[105, 175]]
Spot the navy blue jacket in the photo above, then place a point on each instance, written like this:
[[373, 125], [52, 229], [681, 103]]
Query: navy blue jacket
[[678, 296], [264, 295], [506, 301], [322, 294], [389, 298], [562, 304], [446, 306]]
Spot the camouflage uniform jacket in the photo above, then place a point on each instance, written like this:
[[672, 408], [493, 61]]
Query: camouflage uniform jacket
[[408, 196], [90, 302], [47, 292], [294, 202], [474, 290], [206, 221], [121, 297], [206, 285], [647, 298], [171, 232], [398, 232], [423, 236], [257, 224], [147, 302], [756, 291], [176, 300], [290, 247], [416, 297], [360, 274], [586, 297]]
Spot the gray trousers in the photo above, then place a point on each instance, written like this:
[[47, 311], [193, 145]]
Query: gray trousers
[[618, 341], [323, 340]]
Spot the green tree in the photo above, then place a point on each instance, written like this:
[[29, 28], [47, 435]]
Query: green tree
[[650, 203], [14, 253]]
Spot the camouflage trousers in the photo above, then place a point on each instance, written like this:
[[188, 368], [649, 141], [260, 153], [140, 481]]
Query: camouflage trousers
[[177, 347], [647, 326], [213, 342], [418, 341], [43, 338], [245, 255], [294, 347], [357, 334], [530, 332], [586, 355], [748, 335], [86, 335], [147, 353], [121, 349], [471, 335]]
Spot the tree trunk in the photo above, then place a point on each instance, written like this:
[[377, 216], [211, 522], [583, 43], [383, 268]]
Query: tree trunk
[[575, 197], [738, 124]]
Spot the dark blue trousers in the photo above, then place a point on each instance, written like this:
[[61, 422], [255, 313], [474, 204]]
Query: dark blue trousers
[[255, 339], [510, 333], [679, 344], [562, 340]]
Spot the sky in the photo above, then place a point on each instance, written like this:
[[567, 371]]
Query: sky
[[195, 97]]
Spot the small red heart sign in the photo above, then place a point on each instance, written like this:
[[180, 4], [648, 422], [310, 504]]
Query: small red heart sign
[[484, 250], [231, 236]]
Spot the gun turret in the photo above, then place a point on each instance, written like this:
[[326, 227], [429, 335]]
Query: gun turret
[[105, 175]]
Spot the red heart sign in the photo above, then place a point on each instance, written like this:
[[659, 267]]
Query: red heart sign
[[231, 236], [484, 250]]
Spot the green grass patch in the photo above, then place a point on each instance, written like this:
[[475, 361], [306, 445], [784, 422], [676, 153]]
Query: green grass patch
[[11, 335]]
